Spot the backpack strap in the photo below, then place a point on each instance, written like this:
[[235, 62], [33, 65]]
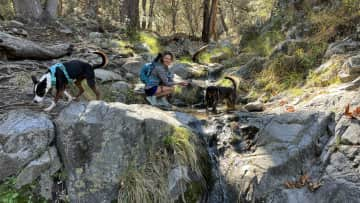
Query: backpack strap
[[52, 70]]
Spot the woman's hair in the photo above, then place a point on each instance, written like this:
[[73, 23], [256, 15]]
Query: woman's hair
[[160, 56]]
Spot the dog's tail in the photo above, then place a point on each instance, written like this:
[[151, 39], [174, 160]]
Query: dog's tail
[[233, 81], [104, 61]]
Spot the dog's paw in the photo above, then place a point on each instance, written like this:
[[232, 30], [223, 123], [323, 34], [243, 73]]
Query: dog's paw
[[70, 99], [48, 109]]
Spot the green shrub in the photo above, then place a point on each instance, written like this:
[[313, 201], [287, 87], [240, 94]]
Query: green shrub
[[9, 194], [264, 43]]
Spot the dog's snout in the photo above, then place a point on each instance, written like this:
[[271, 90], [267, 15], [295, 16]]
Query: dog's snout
[[34, 101]]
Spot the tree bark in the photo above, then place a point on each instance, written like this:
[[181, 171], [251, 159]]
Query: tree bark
[[206, 21], [130, 13], [17, 48], [189, 17], [222, 17], [213, 14], [28, 9], [92, 8], [144, 18], [151, 14], [174, 11], [52, 8]]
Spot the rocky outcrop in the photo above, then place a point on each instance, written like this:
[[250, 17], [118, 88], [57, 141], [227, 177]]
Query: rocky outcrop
[[24, 136], [350, 69], [103, 146], [258, 154], [255, 65], [133, 65], [346, 46]]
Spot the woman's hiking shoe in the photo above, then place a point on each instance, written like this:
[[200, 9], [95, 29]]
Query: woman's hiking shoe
[[152, 100], [163, 102]]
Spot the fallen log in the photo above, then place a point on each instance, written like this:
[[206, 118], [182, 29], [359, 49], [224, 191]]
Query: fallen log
[[16, 48]]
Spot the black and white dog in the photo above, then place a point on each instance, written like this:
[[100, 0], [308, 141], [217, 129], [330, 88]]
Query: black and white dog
[[59, 78]]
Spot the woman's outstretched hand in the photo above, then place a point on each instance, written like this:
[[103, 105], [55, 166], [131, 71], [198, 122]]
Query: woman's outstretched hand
[[183, 83]]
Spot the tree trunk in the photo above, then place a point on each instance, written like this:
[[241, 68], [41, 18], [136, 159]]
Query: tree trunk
[[92, 8], [123, 11], [206, 21], [61, 8], [151, 14], [213, 14], [52, 8], [133, 13], [130, 13], [143, 22], [28, 9], [17, 48], [222, 17], [189, 17], [174, 10]]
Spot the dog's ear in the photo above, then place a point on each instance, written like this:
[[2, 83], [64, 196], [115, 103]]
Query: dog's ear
[[34, 79]]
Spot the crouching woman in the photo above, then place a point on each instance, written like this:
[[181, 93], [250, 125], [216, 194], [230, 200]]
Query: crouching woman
[[161, 83]]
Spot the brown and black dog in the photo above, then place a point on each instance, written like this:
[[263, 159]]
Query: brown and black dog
[[59, 78], [216, 94]]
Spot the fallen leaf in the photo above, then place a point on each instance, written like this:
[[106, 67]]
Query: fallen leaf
[[289, 185], [282, 102], [347, 111], [290, 109], [304, 179], [314, 186]]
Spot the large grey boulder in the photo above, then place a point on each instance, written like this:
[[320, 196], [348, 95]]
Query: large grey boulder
[[278, 148], [49, 162], [247, 71], [24, 136], [186, 70], [106, 75], [100, 142], [133, 65]]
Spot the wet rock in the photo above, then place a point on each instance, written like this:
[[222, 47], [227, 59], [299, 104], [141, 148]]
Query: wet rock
[[24, 136]]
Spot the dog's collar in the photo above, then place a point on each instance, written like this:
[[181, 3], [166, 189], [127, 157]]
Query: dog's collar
[[52, 70]]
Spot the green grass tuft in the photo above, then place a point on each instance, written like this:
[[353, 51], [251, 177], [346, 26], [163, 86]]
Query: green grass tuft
[[147, 181]]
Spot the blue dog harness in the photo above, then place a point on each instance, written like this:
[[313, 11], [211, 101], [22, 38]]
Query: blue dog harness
[[52, 70]]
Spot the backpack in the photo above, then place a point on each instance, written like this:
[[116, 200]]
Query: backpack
[[145, 72]]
